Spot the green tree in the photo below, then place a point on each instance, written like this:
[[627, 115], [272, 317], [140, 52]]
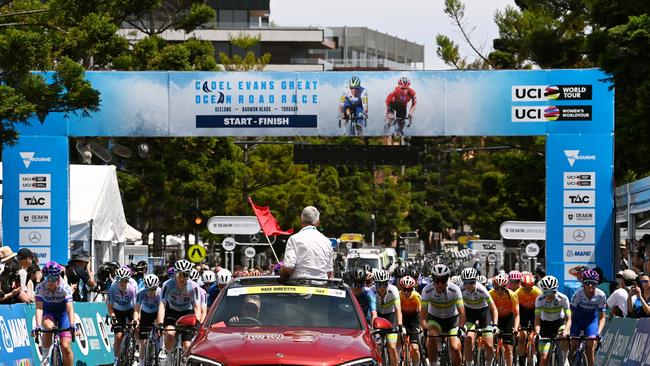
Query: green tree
[[249, 62]]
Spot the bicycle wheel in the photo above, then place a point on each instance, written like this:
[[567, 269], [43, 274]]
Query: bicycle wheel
[[424, 356], [57, 357], [123, 359], [531, 358], [501, 357], [406, 349], [579, 359], [150, 355]]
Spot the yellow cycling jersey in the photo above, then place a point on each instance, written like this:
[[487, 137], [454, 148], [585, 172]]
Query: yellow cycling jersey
[[506, 304], [410, 304], [527, 299]]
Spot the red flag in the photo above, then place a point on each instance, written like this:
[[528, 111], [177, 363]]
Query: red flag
[[268, 223]]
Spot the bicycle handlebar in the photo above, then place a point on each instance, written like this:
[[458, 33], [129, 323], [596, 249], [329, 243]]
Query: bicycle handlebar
[[72, 330]]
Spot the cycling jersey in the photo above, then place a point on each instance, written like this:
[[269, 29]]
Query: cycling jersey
[[122, 300], [53, 301], [203, 297], [527, 299], [399, 98], [556, 309], [149, 303], [411, 304], [584, 307], [359, 102], [477, 299], [367, 302], [213, 293], [423, 281], [389, 302], [180, 299], [442, 305], [506, 303]]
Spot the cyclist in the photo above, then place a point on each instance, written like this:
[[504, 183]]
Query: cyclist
[[354, 101], [410, 303], [526, 294], [482, 280], [398, 100], [209, 278], [507, 306], [55, 308], [456, 280], [478, 305], [121, 303], [365, 297], [588, 312], [224, 277], [388, 307], [514, 280], [179, 297], [203, 295], [552, 316], [398, 273], [442, 312], [146, 309]]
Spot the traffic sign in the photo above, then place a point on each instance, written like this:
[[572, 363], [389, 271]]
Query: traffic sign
[[229, 244], [492, 258], [196, 253], [249, 252], [532, 250]]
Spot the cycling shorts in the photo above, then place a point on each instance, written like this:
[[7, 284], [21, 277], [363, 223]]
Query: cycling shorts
[[355, 109], [443, 325], [583, 324], [399, 109], [412, 326], [549, 329], [147, 321], [61, 321], [526, 317], [121, 318], [390, 337], [171, 316], [477, 315], [506, 323]]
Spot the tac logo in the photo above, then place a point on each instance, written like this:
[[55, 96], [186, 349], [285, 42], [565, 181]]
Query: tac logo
[[29, 157], [573, 155], [579, 199]]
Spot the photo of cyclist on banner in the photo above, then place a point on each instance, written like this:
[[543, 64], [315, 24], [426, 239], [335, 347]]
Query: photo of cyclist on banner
[[397, 117], [353, 108]]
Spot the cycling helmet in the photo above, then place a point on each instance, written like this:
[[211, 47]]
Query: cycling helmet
[[413, 272], [151, 281], [194, 275], [500, 281], [183, 266], [549, 283], [399, 272], [528, 280], [122, 274], [514, 276], [469, 274], [370, 276], [367, 268], [407, 282], [354, 82], [224, 277], [52, 269], [208, 277], [440, 270], [456, 280], [590, 274], [482, 280], [382, 276], [403, 81], [358, 275]]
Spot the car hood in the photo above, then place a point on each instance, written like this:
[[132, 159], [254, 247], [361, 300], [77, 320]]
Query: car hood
[[283, 345]]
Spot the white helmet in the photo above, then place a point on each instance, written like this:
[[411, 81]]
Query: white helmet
[[209, 277], [183, 265], [440, 270], [381, 276], [224, 277], [151, 281], [549, 283], [469, 274], [122, 273], [194, 275], [456, 280]]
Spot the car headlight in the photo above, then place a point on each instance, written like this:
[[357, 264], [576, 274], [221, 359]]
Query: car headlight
[[361, 362], [201, 361]]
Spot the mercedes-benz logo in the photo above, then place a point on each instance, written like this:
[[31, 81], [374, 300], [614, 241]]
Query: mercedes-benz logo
[[579, 235], [279, 355], [34, 237], [255, 238]]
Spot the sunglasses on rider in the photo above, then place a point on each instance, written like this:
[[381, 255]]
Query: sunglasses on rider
[[404, 89], [440, 280], [500, 288], [469, 282], [52, 278], [381, 284], [515, 281], [589, 283], [549, 292], [407, 290]]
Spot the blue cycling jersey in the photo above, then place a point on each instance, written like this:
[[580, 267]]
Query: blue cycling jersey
[[367, 302], [585, 307], [53, 301], [122, 300], [149, 301], [213, 293], [180, 299]]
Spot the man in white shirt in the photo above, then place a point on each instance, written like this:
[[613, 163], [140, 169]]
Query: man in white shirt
[[617, 301], [308, 252]]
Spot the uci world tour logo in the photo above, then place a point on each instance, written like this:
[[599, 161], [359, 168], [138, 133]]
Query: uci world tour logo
[[573, 155]]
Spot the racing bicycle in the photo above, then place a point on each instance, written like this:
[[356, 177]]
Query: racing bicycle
[[444, 358], [127, 349], [395, 126], [152, 347], [353, 123], [54, 357], [579, 356]]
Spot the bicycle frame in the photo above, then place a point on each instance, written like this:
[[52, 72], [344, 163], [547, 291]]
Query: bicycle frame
[[54, 355], [127, 349], [444, 357]]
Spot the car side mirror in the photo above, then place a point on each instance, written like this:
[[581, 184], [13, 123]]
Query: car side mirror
[[381, 323], [187, 321]]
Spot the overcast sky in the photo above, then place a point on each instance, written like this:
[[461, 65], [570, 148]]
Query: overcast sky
[[415, 20]]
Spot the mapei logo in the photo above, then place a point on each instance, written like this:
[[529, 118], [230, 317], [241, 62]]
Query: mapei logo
[[29, 157], [573, 155]]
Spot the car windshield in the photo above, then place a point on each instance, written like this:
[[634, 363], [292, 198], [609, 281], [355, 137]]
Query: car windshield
[[361, 262], [292, 306]]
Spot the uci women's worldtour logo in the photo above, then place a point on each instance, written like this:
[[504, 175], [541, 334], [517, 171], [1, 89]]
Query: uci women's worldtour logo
[[531, 93], [551, 113]]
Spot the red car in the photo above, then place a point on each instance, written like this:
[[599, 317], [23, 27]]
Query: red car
[[263, 321]]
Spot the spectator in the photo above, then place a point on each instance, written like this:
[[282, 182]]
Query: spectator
[[139, 270], [25, 259], [80, 276], [603, 284], [625, 260], [9, 279], [638, 259], [639, 297], [617, 301], [308, 253], [34, 277]]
